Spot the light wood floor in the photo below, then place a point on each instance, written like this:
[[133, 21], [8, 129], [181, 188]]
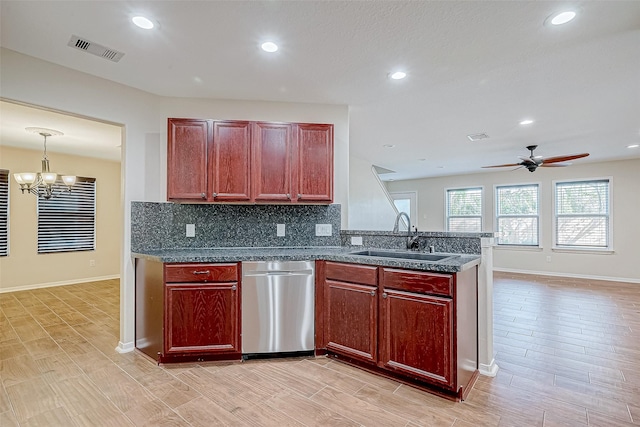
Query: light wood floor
[[569, 353]]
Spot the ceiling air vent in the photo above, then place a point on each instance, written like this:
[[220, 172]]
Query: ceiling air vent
[[477, 137], [95, 48]]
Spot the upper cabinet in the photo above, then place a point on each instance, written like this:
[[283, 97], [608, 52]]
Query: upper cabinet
[[314, 162], [254, 162], [187, 170]]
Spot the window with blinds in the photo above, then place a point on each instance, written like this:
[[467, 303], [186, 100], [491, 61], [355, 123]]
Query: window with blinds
[[67, 222], [517, 216], [582, 214], [464, 209], [4, 212]]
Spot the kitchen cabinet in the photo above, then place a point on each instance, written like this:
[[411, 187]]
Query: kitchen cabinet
[[188, 311], [272, 148], [230, 170], [314, 163], [187, 167], [351, 311], [251, 162], [426, 328]]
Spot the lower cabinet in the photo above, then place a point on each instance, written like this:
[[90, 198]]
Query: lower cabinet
[[188, 311], [415, 326]]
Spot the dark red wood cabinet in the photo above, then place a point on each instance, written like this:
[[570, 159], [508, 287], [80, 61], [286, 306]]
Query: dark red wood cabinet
[[188, 311], [254, 162], [414, 326]]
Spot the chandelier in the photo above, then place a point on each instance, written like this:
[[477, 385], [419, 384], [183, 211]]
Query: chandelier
[[42, 183]]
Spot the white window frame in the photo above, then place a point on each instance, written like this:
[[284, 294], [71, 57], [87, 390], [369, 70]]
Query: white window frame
[[497, 216], [572, 248], [446, 205], [54, 224], [4, 212], [413, 201]]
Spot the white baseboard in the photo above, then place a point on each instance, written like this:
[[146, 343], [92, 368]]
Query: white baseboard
[[125, 347], [490, 370], [574, 276], [62, 283]]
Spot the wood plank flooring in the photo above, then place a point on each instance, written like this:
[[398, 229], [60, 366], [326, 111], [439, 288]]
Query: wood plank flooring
[[568, 351]]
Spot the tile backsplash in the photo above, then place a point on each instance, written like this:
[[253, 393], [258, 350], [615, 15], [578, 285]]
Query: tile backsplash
[[163, 225]]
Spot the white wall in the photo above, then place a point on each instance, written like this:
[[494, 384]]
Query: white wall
[[623, 264], [369, 205], [33, 81]]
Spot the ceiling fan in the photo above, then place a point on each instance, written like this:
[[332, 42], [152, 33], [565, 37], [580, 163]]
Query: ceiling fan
[[532, 162]]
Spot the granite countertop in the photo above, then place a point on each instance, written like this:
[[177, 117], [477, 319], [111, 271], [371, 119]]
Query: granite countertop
[[457, 262]]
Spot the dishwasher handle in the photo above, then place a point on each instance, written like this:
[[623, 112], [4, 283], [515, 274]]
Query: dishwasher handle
[[278, 273]]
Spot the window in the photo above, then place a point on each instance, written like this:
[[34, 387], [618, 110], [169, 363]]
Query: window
[[582, 210], [4, 212], [464, 209], [67, 222], [517, 215]]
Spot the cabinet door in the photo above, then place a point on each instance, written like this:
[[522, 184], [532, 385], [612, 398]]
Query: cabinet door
[[416, 336], [351, 319], [314, 163], [201, 318], [272, 162], [187, 149], [229, 162]]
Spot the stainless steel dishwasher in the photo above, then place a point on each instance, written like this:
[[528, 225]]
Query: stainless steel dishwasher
[[277, 308]]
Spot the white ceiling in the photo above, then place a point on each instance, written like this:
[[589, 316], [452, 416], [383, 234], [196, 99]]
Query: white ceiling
[[473, 67]]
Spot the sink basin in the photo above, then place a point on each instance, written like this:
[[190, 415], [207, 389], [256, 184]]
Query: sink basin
[[404, 255]]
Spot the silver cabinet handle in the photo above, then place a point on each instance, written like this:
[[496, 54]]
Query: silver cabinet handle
[[299, 196], [373, 293], [203, 195], [288, 196], [200, 272], [384, 295], [214, 194], [234, 287]]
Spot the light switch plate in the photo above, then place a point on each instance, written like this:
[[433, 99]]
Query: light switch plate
[[356, 240], [323, 230], [280, 230], [191, 230]]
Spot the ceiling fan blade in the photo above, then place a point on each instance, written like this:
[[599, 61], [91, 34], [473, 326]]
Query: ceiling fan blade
[[555, 165], [526, 159], [557, 159], [503, 166]]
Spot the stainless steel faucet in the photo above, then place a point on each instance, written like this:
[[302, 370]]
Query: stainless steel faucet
[[412, 242]]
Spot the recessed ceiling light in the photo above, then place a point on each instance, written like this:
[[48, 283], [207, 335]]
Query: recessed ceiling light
[[526, 122], [389, 145], [633, 146], [440, 167], [422, 160], [269, 47], [562, 17], [142, 22], [398, 75]]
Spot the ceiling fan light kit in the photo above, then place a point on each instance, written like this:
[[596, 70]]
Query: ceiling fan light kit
[[533, 162]]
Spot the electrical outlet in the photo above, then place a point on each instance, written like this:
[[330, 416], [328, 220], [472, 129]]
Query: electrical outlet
[[280, 230], [92, 263], [356, 240], [323, 230], [548, 258], [191, 230]]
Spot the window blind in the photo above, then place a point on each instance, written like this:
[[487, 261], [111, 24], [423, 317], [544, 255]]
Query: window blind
[[4, 212], [464, 209], [517, 215], [582, 213], [67, 222]]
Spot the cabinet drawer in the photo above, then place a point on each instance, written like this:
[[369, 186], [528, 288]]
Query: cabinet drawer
[[418, 281], [363, 274], [187, 273]]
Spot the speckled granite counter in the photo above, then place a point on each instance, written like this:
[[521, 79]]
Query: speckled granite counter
[[458, 262]]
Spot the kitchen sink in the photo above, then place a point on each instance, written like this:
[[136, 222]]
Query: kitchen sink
[[404, 255]]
